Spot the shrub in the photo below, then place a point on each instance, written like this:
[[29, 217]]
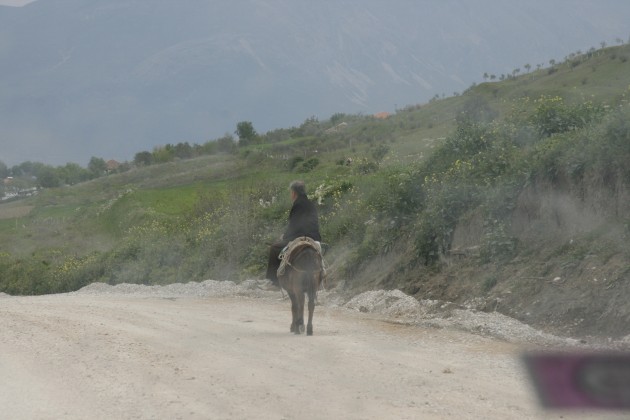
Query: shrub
[[365, 166], [293, 163], [488, 283], [553, 116], [308, 165], [379, 152], [496, 242]]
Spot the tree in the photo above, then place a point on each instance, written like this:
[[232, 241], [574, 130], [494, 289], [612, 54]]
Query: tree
[[246, 133], [16, 170], [528, 67], [208, 148], [226, 143], [337, 118], [72, 174], [48, 177], [4, 170], [164, 154], [27, 168], [183, 150], [309, 127], [97, 167], [143, 158]]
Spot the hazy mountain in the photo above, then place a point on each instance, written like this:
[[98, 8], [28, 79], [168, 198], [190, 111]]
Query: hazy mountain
[[85, 78]]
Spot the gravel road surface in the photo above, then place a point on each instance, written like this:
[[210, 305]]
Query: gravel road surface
[[216, 350]]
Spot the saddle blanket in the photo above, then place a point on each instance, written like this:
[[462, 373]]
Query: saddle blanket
[[296, 245]]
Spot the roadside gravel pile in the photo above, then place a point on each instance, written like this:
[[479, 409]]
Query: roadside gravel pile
[[396, 306], [208, 288], [403, 308], [393, 305]]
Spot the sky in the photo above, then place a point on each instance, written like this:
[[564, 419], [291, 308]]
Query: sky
[[15, 2]]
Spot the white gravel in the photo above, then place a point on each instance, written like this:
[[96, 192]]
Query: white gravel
[[403, 308], [208, 288]]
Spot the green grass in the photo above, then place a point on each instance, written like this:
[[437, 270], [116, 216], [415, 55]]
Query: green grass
[[168, 201], [8, 227]]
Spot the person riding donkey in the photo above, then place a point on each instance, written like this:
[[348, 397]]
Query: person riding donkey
[[303, 222]]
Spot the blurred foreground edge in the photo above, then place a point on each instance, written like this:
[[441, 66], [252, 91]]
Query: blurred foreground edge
[[581, 380]]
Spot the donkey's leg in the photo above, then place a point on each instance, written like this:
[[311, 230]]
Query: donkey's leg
[[300, 313], [311, 309], [311, 288], [294, 311]]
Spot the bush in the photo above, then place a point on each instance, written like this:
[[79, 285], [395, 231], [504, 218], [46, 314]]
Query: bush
[[308, 165], [293, 163], [496, 243], [488, 284], [341, 209], [365, 166], [553, 116]]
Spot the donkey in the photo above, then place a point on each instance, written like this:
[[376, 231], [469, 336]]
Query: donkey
[[303, 274]]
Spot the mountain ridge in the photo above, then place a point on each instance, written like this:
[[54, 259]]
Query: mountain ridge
[[93, 81]]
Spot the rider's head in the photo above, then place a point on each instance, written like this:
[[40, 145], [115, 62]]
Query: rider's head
[[297, 188]]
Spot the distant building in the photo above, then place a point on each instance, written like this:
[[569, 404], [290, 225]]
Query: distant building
[[381, 115]]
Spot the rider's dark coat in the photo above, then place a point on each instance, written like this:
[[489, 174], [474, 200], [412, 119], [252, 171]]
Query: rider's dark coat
[[303, 220]]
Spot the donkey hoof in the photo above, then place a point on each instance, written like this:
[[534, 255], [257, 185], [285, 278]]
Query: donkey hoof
[[309, 330], [292, 328], [300, 329]]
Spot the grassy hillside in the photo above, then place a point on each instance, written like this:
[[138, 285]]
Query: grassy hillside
[[512, 196]]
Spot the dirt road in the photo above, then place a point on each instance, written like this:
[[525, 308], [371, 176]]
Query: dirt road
[[105, 357]]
